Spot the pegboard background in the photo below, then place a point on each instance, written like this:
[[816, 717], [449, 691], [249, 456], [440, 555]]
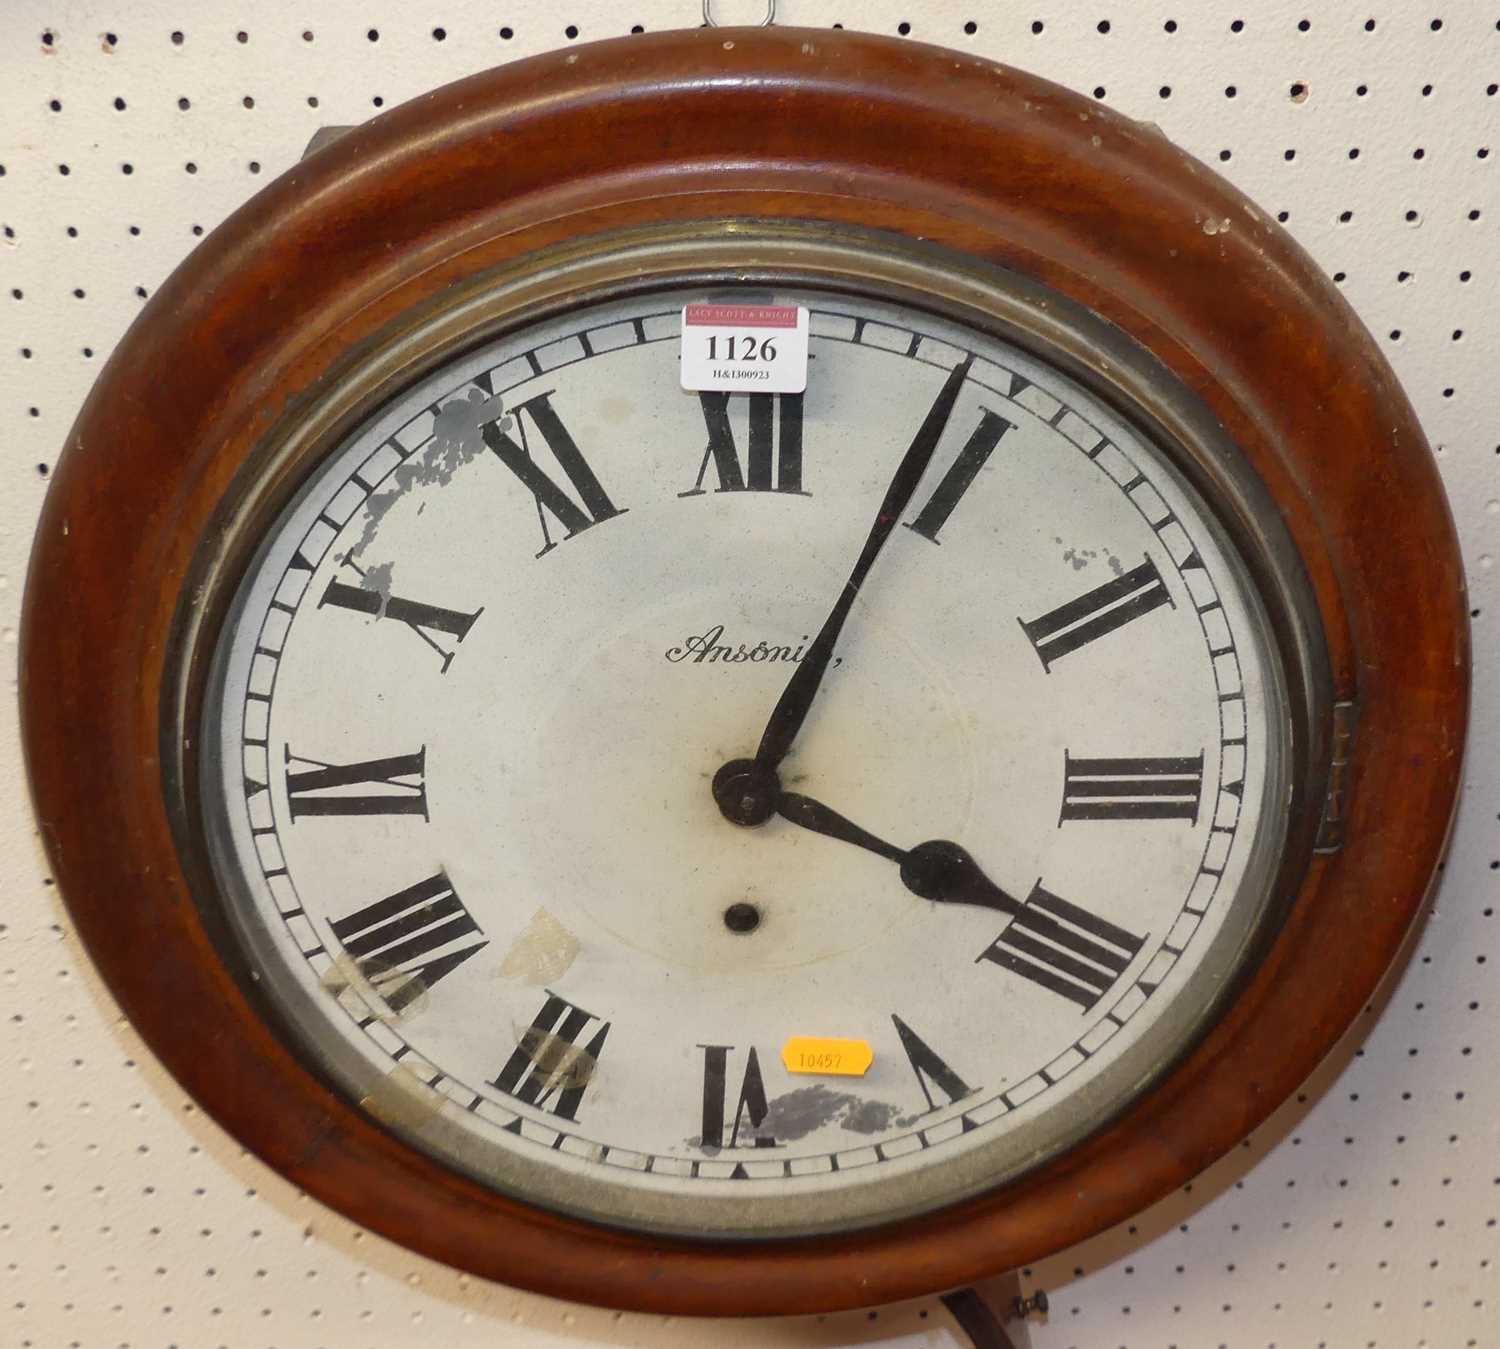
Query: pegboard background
[[1363, 1216]]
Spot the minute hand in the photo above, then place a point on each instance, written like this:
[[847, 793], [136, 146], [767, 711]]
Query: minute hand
[[791, 709]]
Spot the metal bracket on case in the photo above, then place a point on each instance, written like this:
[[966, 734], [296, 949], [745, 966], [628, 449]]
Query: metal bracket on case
[[324, 135], [1336, 803]]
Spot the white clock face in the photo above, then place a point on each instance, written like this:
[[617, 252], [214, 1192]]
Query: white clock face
[[472, 699]]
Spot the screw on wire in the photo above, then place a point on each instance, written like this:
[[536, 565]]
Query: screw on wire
[[1035, 1305]]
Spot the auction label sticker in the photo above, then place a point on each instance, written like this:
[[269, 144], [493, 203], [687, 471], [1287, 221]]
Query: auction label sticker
[[744, 348], [834, 1058]]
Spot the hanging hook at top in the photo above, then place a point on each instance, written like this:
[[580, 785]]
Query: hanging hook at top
[[710, 21]]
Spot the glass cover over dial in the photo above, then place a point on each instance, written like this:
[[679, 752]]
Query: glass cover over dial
[[509, 845]]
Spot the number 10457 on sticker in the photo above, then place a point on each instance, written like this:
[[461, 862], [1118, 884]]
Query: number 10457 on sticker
[[751, 348]]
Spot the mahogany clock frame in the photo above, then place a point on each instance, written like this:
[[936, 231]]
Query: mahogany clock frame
[[775, 124]]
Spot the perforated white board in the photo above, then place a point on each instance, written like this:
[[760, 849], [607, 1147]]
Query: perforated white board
[[1369, 1217]]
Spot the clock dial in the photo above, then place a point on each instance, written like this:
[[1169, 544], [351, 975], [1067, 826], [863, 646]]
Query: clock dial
[[476, 689]]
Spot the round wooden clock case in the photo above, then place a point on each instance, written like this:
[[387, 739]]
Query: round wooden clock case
[[833, 159]]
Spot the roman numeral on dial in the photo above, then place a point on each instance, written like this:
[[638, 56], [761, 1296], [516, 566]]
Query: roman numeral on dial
[[960, 475], [394, 786], [929, 1067], [592, 505], [1096, 613], [422, 619], [751, 1103], [775, 460], [548, 1061], [405, 943], [1132, 789], [1063, 948]]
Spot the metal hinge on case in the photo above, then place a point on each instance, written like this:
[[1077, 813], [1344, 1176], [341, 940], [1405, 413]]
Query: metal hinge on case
[[1336, 803]]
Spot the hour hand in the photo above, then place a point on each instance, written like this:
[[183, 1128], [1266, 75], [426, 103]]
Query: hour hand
[[821, 819], [938, 870]]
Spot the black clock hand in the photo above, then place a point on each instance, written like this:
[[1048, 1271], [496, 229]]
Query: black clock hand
[[936, 870], [791, 709], [821, 819]]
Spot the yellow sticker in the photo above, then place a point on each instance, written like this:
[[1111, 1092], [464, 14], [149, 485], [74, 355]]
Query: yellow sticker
[[836, 1058]]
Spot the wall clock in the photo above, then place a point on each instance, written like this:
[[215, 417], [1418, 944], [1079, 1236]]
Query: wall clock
[[729, 852]]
